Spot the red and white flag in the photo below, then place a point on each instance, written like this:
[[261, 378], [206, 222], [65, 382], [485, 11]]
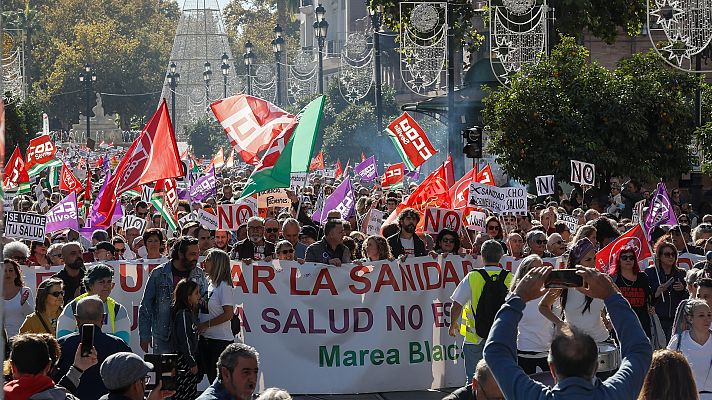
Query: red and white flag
[[251, 124], [485, 176], [68, 181], [635, 238], [40, 151], [392, 175], [338, 171], [15, 172], [317, 162], [410, 141]]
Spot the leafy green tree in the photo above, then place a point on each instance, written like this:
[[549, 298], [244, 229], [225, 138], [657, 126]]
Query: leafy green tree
[[634, 121], [22, 120], [27, 20], [207, 136]]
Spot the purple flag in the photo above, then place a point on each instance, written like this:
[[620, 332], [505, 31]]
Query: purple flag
[[414, 174], [367, 170], [342, 200], [204, 186], [660, 211], [63, 215]]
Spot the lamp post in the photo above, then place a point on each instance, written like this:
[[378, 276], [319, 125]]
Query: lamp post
[[173, 78], [376, 16], [321, 27], [248, 58], [88, 77], [225, 67], [277, 44], [207, 73]]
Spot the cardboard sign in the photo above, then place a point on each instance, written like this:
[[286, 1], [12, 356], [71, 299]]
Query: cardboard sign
[[231, 216], [40, 151], [570, 221], [207, 219], [437, 219], [583, 173], [273, 198], [374, 222], [132, 221], [475, 220], [146, 193], [20, 225], [545, 185], [193, 216], [498, 200], [297, 180], [41, 199]]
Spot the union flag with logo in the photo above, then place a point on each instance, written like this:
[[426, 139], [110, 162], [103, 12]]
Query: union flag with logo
[[635, 238]]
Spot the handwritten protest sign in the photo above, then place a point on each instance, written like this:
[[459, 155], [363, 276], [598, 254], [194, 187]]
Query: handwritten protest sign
[[20, 225], [498, 200]]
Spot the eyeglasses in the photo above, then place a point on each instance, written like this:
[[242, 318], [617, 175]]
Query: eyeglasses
[[255, 227], [668, 254], [271, 230], [494, 227], [559, 242], [674, 192], [287, 251], [57, 294], [121, 250], [683, 221], [629, 258], [56, 255]]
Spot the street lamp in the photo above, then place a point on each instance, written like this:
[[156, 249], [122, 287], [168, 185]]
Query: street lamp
[[248, 58], [321, 27], [207, 73], [376, 16], [225, 67], [277, 44], [88, 77], [173, 78]]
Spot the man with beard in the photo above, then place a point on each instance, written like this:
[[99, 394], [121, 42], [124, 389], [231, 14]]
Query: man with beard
[[271, 230], [238, 367], [222, 240], [406, 242], [255, 246], [330, 249], [154, 314], [73, 271]]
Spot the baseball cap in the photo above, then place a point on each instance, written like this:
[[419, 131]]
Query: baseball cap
[[121, 369]]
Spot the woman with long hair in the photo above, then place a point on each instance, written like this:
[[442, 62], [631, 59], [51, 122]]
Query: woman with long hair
[[376, 248], [585, 231], [447, 242], [493, 228], [38, 254], [692, 338], [185, 339], [48, 306], [19, 302], [633, 284], [215, 329], [663, 381], [534, 332], [579, 310], [667, 283]]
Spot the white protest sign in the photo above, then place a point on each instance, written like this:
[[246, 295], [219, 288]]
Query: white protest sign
[[583, 173], [273, 198], [329, 173], [132, 221], [374, 222], [570, 221], [545, 185], [28, 226], [208, 220], [297, 180], [475, 220], [231, 216], [193, 216], [146, 193], [41, 199], [437, 219], [45, 124], [638, 209], [498, 200]]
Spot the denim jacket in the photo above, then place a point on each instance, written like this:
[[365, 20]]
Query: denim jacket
[[154, 314]]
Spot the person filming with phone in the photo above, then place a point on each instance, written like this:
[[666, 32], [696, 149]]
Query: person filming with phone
[[573, 358], [90, 318]]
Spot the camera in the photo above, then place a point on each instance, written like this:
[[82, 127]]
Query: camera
[[164, 370]]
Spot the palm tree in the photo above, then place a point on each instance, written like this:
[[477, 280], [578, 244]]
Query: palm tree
[[27, 20]]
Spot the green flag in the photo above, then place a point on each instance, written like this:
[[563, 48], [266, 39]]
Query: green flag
[[281, 159]]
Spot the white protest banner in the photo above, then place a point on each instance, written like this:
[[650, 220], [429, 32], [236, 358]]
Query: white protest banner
[[475, 220], [41, 199], [207, 219], [192, 216], [20, 225], [583, 173], [511, 264], [374, 222], [498, 200], [437, 219], [545, 185], [297, 180], [570, 221], [132, 221], [329, 173], [273, 198], [231, 216]]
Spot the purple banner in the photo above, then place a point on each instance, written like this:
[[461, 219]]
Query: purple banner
[[63, 215], [367, 169], [204, 186], [413, 175], [660, 211], [342, 200]]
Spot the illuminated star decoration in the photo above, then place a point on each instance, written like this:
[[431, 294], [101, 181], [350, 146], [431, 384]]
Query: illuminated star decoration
[[505, 50], [417, 82], [668, 11], [679, 48]]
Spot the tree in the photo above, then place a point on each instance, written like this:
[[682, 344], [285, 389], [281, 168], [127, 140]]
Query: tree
[[207, 136], [634, 121], [27, 20], [22, 120]]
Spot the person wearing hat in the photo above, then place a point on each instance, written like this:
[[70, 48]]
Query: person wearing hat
[[103, 251], [124, 375], [308, 235], [99, 281]]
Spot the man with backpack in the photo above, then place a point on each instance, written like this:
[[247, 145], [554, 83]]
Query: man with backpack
[[477, 298]]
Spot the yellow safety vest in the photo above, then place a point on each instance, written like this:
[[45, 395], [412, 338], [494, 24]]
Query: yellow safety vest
[[110, 305], [477, 283]]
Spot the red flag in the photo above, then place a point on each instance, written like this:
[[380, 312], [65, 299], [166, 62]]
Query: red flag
[[218, 161], [392, 175], [460, 191], [15, 172], [317, 162], [69, 182], [635, 237], [410, 141], [40, 151], [449, 171], [338, 172], [432, 192], [250, 123], [87, 189], [363, 157], [485, 176], [99, 162]]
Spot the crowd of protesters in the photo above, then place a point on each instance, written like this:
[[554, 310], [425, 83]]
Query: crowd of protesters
[[631, 307]]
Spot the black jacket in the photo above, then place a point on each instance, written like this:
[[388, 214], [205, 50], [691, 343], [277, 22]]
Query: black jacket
[[246, 249], [397, 247], [185, 337]]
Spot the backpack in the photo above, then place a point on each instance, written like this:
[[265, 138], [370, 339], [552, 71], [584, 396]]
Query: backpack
[[492, 297]]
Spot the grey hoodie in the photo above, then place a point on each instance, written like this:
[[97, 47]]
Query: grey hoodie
[[55, 393]]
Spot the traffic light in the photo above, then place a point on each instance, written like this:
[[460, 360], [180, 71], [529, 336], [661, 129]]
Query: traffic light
[[473, 139]]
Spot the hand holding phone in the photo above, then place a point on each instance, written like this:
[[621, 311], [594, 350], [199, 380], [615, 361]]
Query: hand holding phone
[[87, 342], [563, 278]]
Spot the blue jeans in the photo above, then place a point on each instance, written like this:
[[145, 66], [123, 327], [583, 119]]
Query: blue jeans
[[162, 346], [473, 355]]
